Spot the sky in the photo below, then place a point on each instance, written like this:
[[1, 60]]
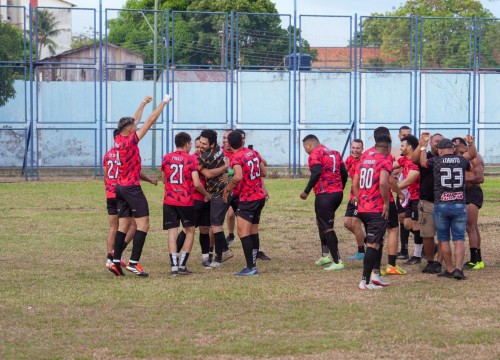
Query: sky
[[313, 28]]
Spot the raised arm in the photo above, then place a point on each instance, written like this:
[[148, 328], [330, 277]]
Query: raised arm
[[471, 153], [153, 117], [140, 109]]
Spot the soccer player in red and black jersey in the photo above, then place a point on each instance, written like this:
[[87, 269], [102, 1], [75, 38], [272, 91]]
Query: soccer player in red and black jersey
[[131, 199], [410, 181], [110, 178], [328, 179], [248, 172], [371, 192], [351, 221], [180, 176], [230, 217]]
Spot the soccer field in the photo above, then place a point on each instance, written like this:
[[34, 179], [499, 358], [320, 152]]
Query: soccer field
[[59, 301]]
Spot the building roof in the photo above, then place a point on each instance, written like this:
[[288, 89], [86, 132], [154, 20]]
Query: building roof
[[82, 48], [340, 57]]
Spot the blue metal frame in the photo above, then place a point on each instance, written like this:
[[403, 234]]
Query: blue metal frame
[[479, 52]]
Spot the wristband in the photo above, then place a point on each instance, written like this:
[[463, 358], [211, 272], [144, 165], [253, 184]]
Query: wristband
[[230, 173]]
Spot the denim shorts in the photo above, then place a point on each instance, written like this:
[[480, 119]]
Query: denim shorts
[[450, 217]]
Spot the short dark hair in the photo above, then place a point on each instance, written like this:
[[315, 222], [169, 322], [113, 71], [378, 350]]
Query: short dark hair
[[461, 140], [124, 122], [359, 141], [404, 127], [197, 138], [243, 135], [235, 139], [411, 140], [383, 139], [381, 130], [181, 139], [209, 134], [436, 134], [116, 132], [310, 137]]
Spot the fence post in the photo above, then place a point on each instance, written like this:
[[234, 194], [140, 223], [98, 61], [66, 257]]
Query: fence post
[[231, 71], [416, 125], [474, 76], [294, 102], [101, 97], [355, 75]]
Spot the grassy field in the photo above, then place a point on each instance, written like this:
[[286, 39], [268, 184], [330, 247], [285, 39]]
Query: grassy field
[[59, 301]]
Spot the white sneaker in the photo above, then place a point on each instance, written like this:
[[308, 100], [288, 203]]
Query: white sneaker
[[215, 264], [227, 255], [379, 280], [109, 262], [370, 286]]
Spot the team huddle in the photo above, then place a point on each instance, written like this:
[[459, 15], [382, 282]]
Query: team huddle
[[438, 193], [402, 191], [200, 189]]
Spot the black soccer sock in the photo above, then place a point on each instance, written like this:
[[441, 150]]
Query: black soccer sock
[[181, 237], [361, 249], [324, 246], [184, 259], [369, 263], [473, 255], [333, 245], [125, 245], [378, 259], [205, 243], [247, 244], [479, 256], [220, 240], [118, 248], [139, 240], [392, 260], [404, 235], [110, 257], [256, 247]]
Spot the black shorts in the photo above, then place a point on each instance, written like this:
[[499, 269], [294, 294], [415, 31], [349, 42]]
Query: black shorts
[[412, 210], [393, 216], [174, 215], [250, 210], [131, 201], [400, 208], [218, 209], [112, 206], [351, 210], [375, 226], [325, 206], [474, 195], [201, 213]]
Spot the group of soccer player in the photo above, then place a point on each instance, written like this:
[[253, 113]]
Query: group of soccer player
[[438, 193], [199, 190]]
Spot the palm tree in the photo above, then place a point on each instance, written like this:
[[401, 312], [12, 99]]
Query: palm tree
[[47, 29]]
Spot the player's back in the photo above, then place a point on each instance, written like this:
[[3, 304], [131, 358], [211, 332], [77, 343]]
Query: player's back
[[370, 168], [177, 168], [128, 159], [330, 160], [250, 187]]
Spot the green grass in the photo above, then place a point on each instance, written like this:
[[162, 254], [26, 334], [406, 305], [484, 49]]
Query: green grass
[[58, 300]]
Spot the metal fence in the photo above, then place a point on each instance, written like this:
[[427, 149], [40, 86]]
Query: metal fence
[[240, 70]]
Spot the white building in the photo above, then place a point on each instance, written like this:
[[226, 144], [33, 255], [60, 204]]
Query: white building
[[62, 14]]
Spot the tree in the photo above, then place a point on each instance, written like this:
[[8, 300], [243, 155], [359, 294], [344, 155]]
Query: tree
[[201, 35], [47, 28], [445, 31], [11, 50]]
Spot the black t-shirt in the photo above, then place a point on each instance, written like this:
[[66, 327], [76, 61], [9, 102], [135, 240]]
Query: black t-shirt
[[427, 181], [449, 178]]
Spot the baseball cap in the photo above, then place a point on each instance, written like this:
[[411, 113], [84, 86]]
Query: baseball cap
[[445, 144]]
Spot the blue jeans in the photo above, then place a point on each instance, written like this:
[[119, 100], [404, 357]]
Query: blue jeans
[[450, 217]]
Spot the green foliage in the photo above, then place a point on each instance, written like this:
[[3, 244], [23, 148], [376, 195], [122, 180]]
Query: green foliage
[[446, 32], [202, 34], [11, 50], [47, 27]]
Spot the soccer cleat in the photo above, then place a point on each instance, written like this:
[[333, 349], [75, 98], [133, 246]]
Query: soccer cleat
[[117, 270], [174, 270], [109, 262], [247, 272], [357, 256], [122, 260], [205, 262], [379, 280], [261, 255], [432, 268], [335, 266], [136, 269], [324, 261], [230, 240], [184, 271], [446, 274], [394, 270], [414, 260], [479, 265], [469, 265], [370, 286], [401, 256], [214, 265], [458, 274], [226, 255]]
